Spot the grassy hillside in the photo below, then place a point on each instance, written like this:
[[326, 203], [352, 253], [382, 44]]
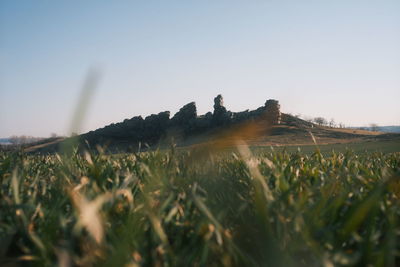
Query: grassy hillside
[[200, 207]]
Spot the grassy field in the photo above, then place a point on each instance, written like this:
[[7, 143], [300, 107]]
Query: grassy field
[[390, 146], [249, 207]]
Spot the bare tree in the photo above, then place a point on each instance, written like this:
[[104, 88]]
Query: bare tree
[[320, 121]]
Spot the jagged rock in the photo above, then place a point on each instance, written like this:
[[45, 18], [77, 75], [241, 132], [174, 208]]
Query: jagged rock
[[184, 123], [204, 122], [155, 127], [220, 116], [134, 122], [272, 111], [257, 113], [208, 115], [186, 113], [240, 116], [219, 104], [184, 120]]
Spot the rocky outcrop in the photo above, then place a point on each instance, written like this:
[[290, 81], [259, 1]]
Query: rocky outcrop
[[155, 127], [184, 123], [273, 111], [220, 116], [219, 108], [187, 114]]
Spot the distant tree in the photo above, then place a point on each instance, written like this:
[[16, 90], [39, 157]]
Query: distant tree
[[374, 127], [341, 125], [320, 121], [53, 135]]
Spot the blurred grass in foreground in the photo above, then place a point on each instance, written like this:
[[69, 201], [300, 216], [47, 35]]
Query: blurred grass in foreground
[[269, 208]]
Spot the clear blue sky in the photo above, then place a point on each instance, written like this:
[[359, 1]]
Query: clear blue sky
[[336, 59]]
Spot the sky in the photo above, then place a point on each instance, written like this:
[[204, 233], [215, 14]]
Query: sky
[[335, 59]]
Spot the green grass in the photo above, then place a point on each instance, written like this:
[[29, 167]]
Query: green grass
[[193, 208]]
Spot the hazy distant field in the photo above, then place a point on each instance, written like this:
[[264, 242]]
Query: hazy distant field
[[358, 147], [197, 208]]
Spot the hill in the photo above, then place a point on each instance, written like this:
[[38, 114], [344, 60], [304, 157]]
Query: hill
[[264, 126]]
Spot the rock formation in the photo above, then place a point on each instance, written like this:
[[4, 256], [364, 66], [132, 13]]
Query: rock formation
[[184, 123], [220, 116], [187, 113], [273, 111]]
